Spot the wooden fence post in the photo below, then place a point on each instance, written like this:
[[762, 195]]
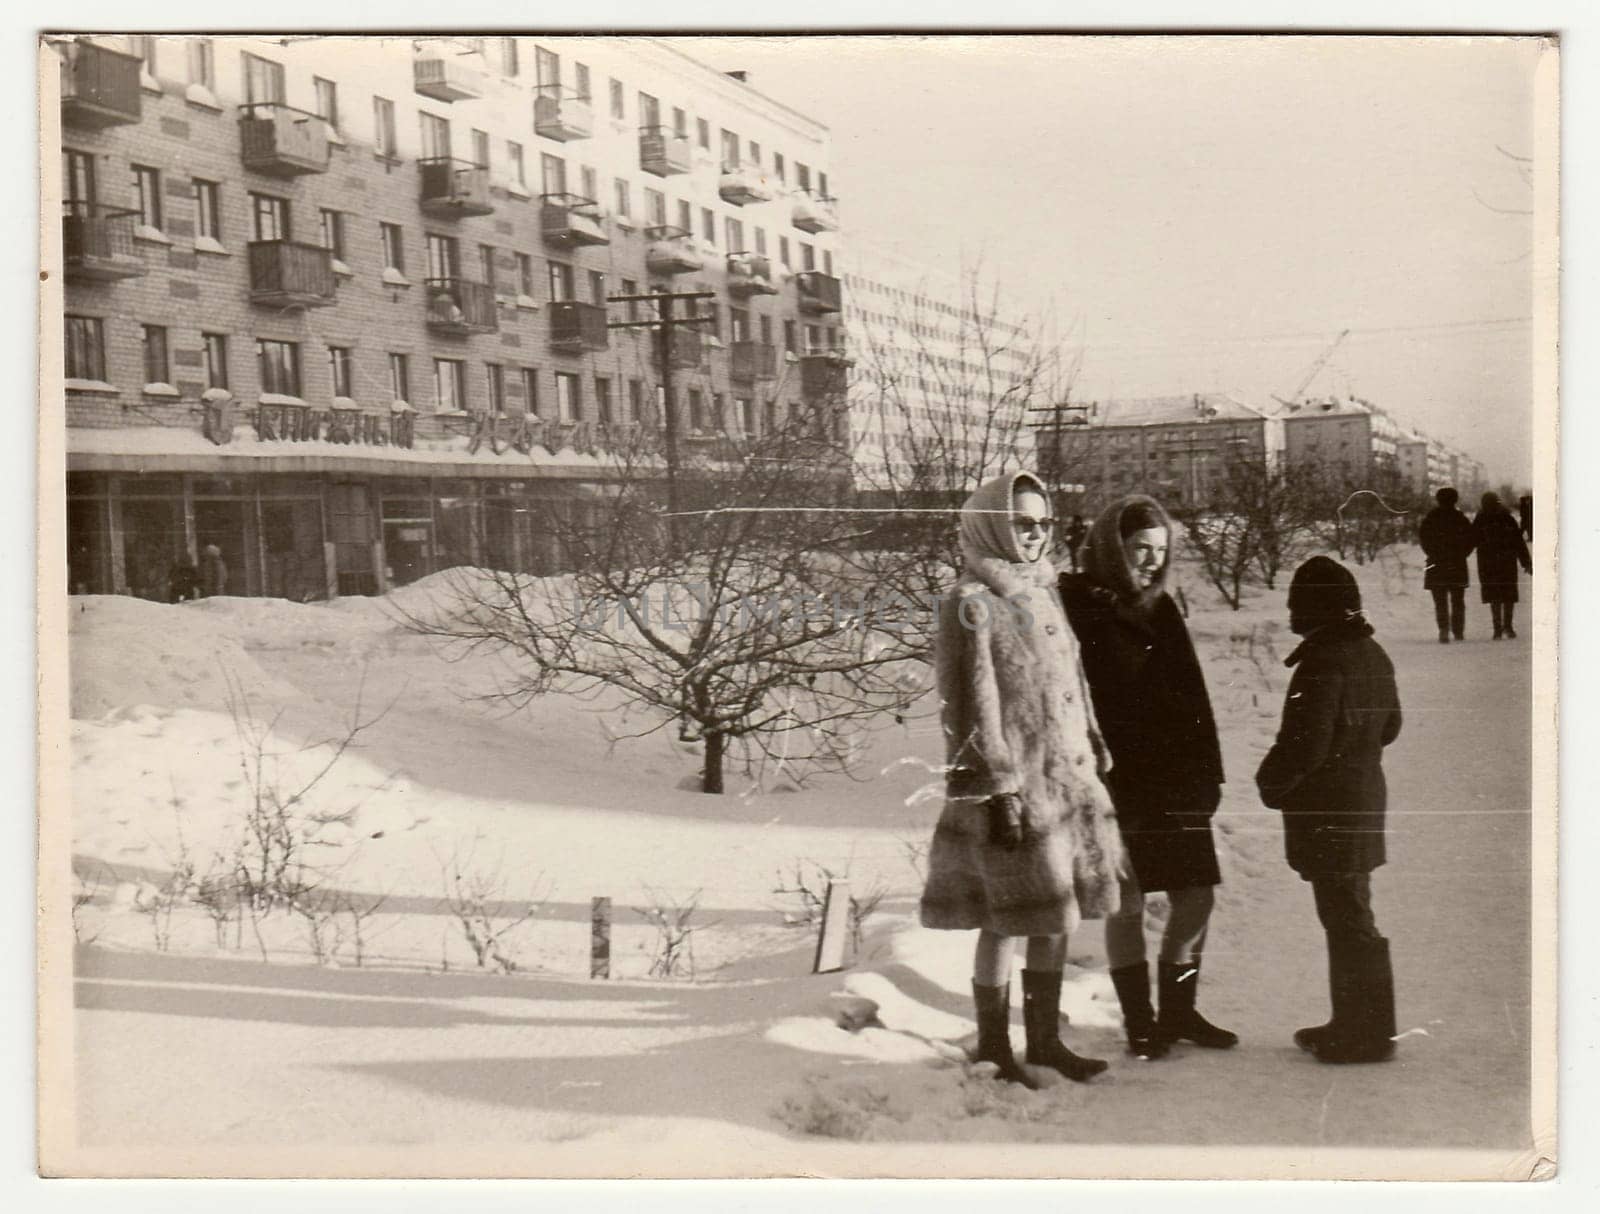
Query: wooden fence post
[[600, 938]]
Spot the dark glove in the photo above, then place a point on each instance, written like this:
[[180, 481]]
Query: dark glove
[[1005, 819]]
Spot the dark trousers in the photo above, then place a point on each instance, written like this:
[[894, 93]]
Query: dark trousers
[[1450, 609], [1344, 905]]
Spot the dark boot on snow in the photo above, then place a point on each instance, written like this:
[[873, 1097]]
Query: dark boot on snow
[[1041, 1014], [1341, 995], [993, 1004], [1178, 1020], [1366, 1029], [1132, 983]]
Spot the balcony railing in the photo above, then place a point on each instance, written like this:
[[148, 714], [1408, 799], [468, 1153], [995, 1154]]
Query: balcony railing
[[824, 374], [819, 292], [815, 213], [99, 87], [664, 152], [459, 306], [282, 142], [562, 113], [687, 349], [571, 221], [575, 327], [750, 274], [744, 183], [671, 251], [453, 188], [97, 243], [447, 73], [284, 274], [749, 361]]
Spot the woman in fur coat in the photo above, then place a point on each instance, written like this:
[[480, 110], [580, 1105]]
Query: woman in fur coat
[[1027, 842], [1501, 549], [1151, 702]]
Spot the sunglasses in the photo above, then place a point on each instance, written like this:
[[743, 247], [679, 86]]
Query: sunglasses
[[1028, 524]]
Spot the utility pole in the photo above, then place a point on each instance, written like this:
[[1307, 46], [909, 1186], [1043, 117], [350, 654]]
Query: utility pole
[[664, 326], [1055, 425]]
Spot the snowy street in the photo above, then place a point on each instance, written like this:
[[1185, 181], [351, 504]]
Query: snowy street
[[206, 1045]]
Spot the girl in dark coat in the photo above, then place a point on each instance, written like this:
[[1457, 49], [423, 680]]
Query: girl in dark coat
[[1166, 769], [1325, 773], [1501, 549], [1447, 540]]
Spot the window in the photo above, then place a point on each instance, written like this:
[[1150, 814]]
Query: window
[[333, 233], [278, 366], [597, 286], [649, 111], [783, 251], [554, 172], [568, 396], [270, 216], [153, 342], [655, 207], [563, 285], [769, 415], [495, 380], [509, 62], [730, 150], [808, 257], [755, 153], [383, 137], [144, 46], [339, 369], [263, 80], [624, 203], [680, 123], [802, 176], [714, 311], [202, 63], [827, 262], [761, 242], [590, 183], [719, 411], [525, 274], [516, 170], [435, 136], [147, 195], [216, 359], [630, 287], [546, 66], [766, 329], [394, 247], [77, 180], [747, 415], [449, 385], [530, 390], [486, 265], [708, 225], [602, 399], [703, 133], [480, 148], [444, 261], [327, 100], [580, 80], [86, 348], [400, 377], [738, 324], [697, 410], [686, 217], [618, 106], [777, 165], [789, 335], [207, 212], [735, 234], [636, 400], [822, 183]]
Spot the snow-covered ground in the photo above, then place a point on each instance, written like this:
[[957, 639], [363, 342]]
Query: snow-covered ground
[[203, 1043]]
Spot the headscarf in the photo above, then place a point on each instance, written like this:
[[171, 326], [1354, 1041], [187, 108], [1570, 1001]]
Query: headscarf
[[1322, 592], [1105, 560], [986, 530]]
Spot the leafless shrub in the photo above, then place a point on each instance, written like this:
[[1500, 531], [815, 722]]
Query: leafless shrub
[[360, 909], [475, 897], [85, 889], [674, 932], [808, 887]]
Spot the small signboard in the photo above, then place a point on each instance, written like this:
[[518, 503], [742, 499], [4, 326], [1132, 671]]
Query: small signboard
[[835, 928]]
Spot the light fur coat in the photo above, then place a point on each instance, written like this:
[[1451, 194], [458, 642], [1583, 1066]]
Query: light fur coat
[[1017, 718]]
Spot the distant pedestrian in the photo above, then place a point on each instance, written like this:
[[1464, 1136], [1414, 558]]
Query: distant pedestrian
[[183, 579], [213, 571], [1166, 767], [1447, 540], [1325, 773], [1525, 516], [1073, 536], [1501, 549]]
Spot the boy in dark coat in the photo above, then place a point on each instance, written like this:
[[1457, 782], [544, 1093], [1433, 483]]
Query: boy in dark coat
[[1325, 772], [1447, 540]]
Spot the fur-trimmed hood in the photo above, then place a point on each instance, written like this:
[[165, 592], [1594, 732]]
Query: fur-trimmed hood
[[1107, 564]]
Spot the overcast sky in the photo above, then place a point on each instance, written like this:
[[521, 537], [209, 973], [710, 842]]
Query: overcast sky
[[1210, 214]]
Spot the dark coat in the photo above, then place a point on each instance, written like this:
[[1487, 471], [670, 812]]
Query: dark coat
[[1447, 540], [1325, 771], [1501, 549]]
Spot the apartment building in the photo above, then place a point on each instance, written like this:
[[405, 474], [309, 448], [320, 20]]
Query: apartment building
[[339, 306]]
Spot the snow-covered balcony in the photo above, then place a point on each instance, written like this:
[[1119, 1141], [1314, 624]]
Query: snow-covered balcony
[[97, 243], [749, 361], [815, 213], [741, 184], [281, 141], [671, 251], [453, 188], [99, 86], [562, 113], [571, 221], [576, 327], [750, 274], [447, 71], [819, 293], [460, 307], [664, 152], [284, 274], [824, 374], [687, 349]]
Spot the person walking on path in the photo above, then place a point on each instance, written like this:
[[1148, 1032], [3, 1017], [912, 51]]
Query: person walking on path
[[1325, 773], [183, 579], [213, 571], [1026, 843], [1074, 536], [1501, 549], [1447, 540], [1151, 703]]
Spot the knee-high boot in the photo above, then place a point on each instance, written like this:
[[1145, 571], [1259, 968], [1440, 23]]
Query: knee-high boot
[[1365, 1032], [1041, 1013], [993, 1005], [1178, 1020], [1132, 983]]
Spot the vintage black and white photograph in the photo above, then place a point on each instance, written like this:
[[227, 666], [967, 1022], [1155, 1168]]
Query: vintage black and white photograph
[[769, 605]]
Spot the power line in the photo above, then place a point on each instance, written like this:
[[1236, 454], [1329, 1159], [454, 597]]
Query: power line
[[1451, 326]]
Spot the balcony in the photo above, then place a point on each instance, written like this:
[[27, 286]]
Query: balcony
[[664, 152], [750, 274], [99, 87], [741, 184], [671, 251], [571, 221], [815, 213], [749, 361], [452, 189], [448, 73], [824, 374], [562, 113], [576, 327], [282, 142], [819, 292], [284, 274], [687, 352], [97, 244], [459, 307]]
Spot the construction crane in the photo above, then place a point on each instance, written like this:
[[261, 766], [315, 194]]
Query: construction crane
[[1316, 370]]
